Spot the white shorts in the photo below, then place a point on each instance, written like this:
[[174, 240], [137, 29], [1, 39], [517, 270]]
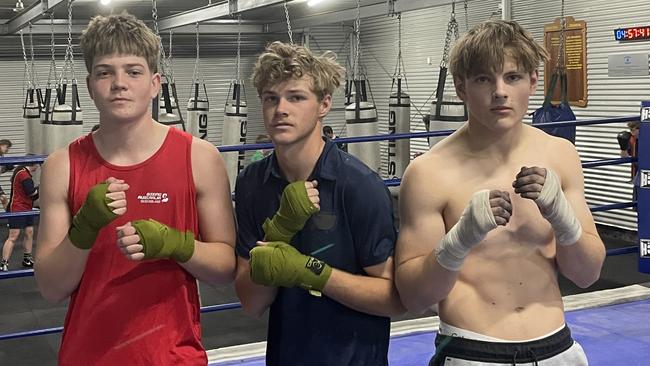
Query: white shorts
[[465, 348]]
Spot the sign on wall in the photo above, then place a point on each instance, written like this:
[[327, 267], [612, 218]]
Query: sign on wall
[[575, 56], [628, 64], [644, 245]]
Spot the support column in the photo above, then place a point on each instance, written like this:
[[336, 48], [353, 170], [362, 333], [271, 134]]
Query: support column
[[643, 190]]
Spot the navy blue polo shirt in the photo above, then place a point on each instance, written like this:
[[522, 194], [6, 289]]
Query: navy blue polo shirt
[[354, 229]]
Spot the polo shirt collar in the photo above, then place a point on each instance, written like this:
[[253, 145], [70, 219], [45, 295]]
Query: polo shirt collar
[[326, 167]]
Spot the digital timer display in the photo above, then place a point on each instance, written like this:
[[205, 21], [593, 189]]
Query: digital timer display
[[632, 33]]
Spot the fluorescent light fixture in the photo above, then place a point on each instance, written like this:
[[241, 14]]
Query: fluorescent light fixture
[[104, 2], [19, 6], [314, 2]]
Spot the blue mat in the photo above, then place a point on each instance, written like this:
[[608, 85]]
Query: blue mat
[[614, 335], [610, 335]]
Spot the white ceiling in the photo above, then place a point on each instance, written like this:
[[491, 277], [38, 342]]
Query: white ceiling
[[83, 10]]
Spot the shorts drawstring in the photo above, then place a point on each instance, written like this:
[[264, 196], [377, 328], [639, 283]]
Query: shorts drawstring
[[533, 356], [530, 353]]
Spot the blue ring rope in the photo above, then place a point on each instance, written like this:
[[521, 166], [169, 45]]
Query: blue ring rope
[[390, 137], [389, 182]]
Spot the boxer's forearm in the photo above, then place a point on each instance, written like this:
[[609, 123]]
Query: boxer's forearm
[[582, 262]]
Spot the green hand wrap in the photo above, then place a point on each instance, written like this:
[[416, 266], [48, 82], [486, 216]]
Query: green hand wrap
[[280, 264], [91, 217], [160, 241], [295, 209]]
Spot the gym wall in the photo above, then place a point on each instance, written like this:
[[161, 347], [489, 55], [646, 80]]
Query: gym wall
[[423, 33]]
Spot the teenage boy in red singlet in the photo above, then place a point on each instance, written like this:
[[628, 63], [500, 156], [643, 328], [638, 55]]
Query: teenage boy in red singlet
[[158, 193]]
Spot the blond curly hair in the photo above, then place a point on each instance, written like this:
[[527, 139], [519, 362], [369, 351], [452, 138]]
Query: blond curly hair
[[282, 61]]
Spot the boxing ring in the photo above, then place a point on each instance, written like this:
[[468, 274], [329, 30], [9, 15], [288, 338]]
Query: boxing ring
[[606, 323]]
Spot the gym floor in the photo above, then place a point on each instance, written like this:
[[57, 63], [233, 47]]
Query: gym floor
[[23, 309], [609, 335]]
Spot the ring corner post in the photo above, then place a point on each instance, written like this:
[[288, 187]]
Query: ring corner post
[[643, 189]]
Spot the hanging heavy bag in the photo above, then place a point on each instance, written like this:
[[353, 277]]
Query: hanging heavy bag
[[447, 112], [549, 112]]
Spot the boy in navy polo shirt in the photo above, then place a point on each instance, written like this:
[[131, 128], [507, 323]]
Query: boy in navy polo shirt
[[316, 235]]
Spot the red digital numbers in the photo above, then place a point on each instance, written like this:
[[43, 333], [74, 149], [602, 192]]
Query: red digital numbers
[[633, 33]]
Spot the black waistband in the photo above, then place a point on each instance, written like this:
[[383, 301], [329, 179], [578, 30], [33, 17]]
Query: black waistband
[[498, 352]]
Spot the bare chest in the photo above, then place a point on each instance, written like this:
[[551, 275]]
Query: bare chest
[[526, 230]]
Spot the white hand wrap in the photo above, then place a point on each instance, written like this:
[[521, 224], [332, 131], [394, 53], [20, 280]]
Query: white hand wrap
[[474, 224], [556, 209]]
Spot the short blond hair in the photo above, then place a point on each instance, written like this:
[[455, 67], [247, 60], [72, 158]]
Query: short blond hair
[[485, 47], [121, 34], [282, 61]]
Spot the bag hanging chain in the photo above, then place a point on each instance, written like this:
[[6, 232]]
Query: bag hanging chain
[[69, 51], [27, 72], [286, 14], [195, 74], [357, 31], [163, 57], [466, 16], [239, 47], [452, 28], [170, 68], [398, 73], [33, 64], [51, 77], [560, 60]]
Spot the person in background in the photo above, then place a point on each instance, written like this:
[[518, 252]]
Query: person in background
[[5, 145], [328, 134], [629, 144], [23, 195], [262, 153]]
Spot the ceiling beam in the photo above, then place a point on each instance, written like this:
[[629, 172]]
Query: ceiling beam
[[224, 26], [210, 28], [212, 12], [34, 12], [351, 14]]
